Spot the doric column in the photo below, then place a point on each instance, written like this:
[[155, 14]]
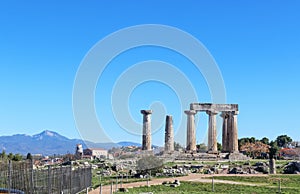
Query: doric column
[[146, 144], [235, 145], [212, 132], [169, 135], [225, 141], [191, 131], [229, 132]]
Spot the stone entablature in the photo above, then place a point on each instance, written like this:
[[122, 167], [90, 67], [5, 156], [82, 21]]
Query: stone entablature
[[214, 107]]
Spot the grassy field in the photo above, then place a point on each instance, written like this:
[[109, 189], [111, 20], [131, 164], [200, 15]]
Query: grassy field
[[107, 180], [289, 184], [286, 181]]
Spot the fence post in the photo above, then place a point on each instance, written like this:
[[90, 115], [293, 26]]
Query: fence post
[[100, 188], [111, 187], [9, 175], [84, 171], [279, 186], [71, 177], [121, 185], [90, 176], [61, 179], [117, 184], [31, 177], [49, 179], [213, 184]]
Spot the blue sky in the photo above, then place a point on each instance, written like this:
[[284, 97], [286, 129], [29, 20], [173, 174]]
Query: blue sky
[[255, 44]]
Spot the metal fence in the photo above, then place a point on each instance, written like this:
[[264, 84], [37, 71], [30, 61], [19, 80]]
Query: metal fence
[[22, 176]]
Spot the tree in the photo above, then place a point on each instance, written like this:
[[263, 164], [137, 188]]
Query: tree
[[10, 156], [69, 157], [243, 141], [177, 146], [273, 150], [3, 155], [201, 147], [283, 140], [148, 164], [265, 140], [252, 140], [219, 146], [17, 157], [255, 150], [29, 156]]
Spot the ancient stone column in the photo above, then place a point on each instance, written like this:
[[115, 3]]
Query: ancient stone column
[[229, 132], [225, 141], [232, 130], [146, 144], [235, 145], [272, 165], [191, 131], [212, 132], [169, 134]]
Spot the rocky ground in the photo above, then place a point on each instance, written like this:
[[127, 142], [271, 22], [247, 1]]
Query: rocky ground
[[191, 177]]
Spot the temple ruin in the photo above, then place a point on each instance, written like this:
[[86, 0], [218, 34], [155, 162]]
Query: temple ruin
[[229, 114]]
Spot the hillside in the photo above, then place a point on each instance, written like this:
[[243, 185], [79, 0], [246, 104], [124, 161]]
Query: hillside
[[49, 143]]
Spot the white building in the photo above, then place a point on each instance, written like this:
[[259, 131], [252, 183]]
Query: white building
[[95, 152]]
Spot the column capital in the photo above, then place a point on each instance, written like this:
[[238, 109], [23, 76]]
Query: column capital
[[190, 112], [212, 112], [224, 114], [146, 112], [234, 112]]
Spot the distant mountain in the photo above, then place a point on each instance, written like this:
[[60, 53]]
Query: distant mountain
[[47, 143], [48, 135]]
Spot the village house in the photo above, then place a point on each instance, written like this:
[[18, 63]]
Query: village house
[[95, 153], [289, 153]]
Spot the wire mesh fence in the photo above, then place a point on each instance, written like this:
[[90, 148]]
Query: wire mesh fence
[[21, 176]]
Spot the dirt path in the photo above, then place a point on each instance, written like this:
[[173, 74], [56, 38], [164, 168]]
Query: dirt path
[[191, 177], [202, 180]]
